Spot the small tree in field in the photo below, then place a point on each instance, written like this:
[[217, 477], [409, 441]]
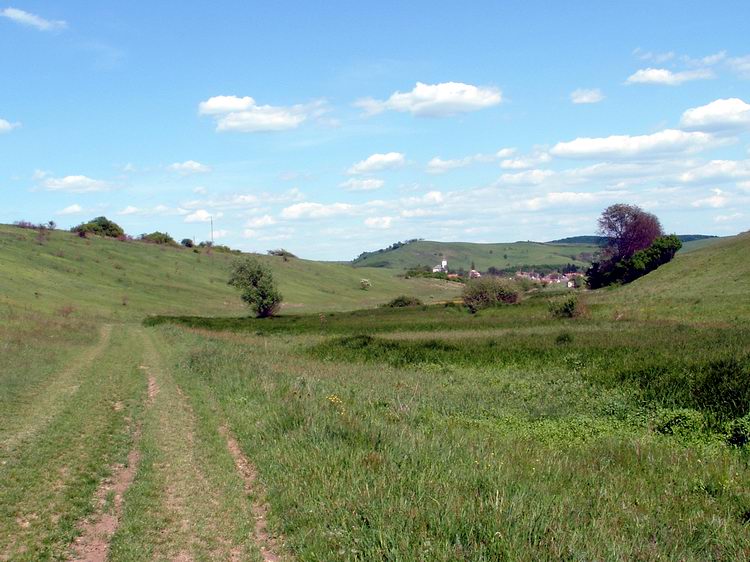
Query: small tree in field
[[257, 286]]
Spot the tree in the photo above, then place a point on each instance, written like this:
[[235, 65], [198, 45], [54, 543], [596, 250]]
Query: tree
[[661, 251], [628, 228], [257, 286], [187, 242], [100, 226], [158, 238]]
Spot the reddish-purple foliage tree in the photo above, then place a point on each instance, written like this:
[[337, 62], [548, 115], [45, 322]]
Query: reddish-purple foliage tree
[[629, 229]]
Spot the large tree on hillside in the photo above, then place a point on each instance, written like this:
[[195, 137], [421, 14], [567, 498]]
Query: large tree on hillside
[[628, 229], [257, 286]]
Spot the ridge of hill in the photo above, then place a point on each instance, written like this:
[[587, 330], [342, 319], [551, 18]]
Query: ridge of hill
[[62, 273], [711, 282], [602, 240], [460, 255]]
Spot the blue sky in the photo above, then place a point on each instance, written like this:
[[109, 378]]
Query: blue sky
[[338, 127]]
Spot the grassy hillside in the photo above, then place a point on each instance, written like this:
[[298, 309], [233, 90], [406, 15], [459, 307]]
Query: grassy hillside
[[484, 256], [710, 282], [66, 274]]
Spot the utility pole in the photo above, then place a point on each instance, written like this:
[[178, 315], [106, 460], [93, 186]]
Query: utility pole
[[212, 230]]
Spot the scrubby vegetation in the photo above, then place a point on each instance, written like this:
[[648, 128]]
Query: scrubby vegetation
[[403, 301], [100, 226], [158, 238], [487, 292]]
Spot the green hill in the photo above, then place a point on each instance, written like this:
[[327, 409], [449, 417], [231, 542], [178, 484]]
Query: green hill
[[711, 283], [462, 254], [65, 274]]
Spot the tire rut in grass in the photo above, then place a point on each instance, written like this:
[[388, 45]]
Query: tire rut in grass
[[51, 397], [265, 542]]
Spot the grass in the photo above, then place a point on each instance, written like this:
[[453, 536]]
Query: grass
[[416, 433]]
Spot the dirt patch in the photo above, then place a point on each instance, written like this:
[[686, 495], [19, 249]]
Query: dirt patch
[[267, 544], [93, 544]]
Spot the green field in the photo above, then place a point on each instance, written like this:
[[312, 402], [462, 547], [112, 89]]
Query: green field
[[363, 433]]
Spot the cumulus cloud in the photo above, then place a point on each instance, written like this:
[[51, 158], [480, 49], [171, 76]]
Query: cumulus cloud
[[667, 77], [244, 115], [261, 222], [74, 184], [7, 126], [728, 218], [201, 215], [436, 100], [719, 115], [315, 210], [189, 167], [440, 166], [668, 141], [526, 162], [717, 171], [70, 210], [377, 163], [129, 210], [565, 198], [379, 222], [529, 177], [717, 200], [32, 20], [740, 65], [582, 95], [362, 184]]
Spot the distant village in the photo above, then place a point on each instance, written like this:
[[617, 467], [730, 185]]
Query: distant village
[[570, 279]]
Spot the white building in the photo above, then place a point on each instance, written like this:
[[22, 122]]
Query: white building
[[442, 268]]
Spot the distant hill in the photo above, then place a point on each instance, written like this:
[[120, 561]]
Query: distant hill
[[711, 282], [602, 240], [460, 255]]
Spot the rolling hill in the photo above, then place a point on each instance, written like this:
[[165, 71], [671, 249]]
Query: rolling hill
[[126, 280], [710, 282], [462, 254]]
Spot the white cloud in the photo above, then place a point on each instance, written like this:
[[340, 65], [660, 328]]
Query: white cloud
[[566, 198], [526, 162], [717, 171], [715, 201], [7, 126], [529, 177], [505, 152], [363, 184], [32, 20], [74, 184], [379, 222], [436, 100], [189, 167], [129, 210], [668, 141], [377, 163], [667, 77], [201, 215], [728, 218], [582, 95], [70, 210], [243, 115], [261, 222], [200, 190], [655, 57], [439, 166], [719, 115], [221, 233], [740, 65], [315, 210]]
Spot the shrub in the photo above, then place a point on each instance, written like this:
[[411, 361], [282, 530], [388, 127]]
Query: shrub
[[187, 242], [661, 251], [158, 238], [678, 421], [403, 301], [281, 252], [564, 338], [101, 226], [487, 292], [739, 432], [257, 286], [569, 307], [365, 284]]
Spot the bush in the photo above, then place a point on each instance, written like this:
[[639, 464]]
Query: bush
[[661, 251], [487, 292], [158, 238], [404, 301], [257, 286], [365, 284], [281, 252], [564, 338], [187, 242], [739, 432], [101, 226], [568, 307], [681, 421]]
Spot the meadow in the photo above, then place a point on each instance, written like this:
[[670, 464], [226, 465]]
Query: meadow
[[362, 433]]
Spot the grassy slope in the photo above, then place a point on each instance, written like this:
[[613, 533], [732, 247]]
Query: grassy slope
[[461, 254], [710, 283], [117, 280]]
